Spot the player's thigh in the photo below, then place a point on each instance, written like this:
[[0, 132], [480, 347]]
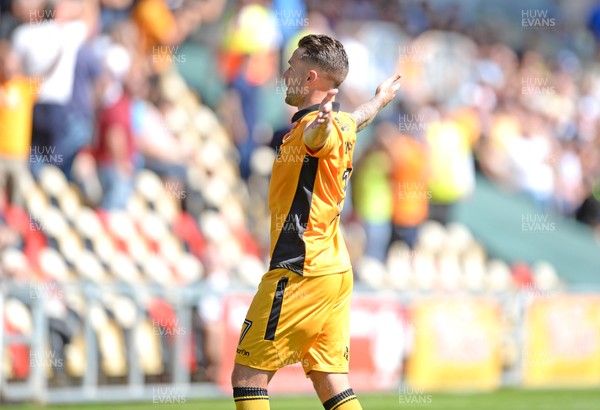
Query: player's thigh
[[330, 352]]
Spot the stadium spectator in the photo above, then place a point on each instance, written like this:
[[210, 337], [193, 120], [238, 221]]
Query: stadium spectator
[[408, 177], [452, 173], [48, 45], [372, 196], [114, 149], [16, 106]]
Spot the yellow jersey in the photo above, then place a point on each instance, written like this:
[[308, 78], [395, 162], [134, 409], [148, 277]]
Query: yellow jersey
[[306, 197]]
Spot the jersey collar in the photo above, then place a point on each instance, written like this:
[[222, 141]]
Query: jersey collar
[[298, 116]]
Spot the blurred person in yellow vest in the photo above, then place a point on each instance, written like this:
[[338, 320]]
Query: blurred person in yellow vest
[[372, 196], [452, 173], [17, 98], [248, 60]]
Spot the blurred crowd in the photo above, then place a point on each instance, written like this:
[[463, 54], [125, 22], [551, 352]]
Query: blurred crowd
[[137, 136]]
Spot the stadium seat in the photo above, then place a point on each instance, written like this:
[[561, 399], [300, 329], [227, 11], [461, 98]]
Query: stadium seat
[[149, 186], [459, 238], [121, 225], [168, 208], [156, 270], [113, 355], [75, 356], [189, 269], [148, 348], [53, 181], [88, 223], [53, 265], [15, 263], [372, 272], [432, 237], [70, 246], [18, 316], [89, 267], [450, 277], [104, 247], [262, 160], [250, 269], [69, 202], [545, 277], [474, 269], [53, 223], [498, 276], [425, 271], [399, 266], [124, 269], [137, 207]]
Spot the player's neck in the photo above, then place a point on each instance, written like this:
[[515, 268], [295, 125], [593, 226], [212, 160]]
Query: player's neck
[[312, 99]]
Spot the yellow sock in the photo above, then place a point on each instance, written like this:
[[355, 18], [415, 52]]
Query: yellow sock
[[250, 398], [346, 400]]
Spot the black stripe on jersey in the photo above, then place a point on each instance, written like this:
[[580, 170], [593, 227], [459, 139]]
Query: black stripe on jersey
[[276, 309], [290, 249]]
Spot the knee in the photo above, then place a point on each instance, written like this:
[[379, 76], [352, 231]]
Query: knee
[[237, 377], [244, 376]]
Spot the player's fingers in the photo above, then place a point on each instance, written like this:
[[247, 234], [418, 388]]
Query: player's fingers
[[330, 97]]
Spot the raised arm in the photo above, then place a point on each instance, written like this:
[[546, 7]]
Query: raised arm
[[366, 113], [316, 133]]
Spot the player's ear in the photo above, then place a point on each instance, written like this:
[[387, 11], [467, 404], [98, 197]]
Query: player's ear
[[311, 76]]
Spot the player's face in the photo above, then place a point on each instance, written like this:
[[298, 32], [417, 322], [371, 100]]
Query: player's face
[[295, 79]]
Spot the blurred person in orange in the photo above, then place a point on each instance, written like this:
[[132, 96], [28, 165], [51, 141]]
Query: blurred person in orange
[[408, 176], [17, 99], [165, 24]]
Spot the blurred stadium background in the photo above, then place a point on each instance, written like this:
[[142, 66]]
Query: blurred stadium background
[[136, 143]]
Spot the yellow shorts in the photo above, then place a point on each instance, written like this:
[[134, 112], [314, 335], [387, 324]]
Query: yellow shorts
[[298, 319]]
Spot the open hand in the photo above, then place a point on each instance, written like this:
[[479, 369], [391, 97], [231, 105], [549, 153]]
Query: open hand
[[388, 88]]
